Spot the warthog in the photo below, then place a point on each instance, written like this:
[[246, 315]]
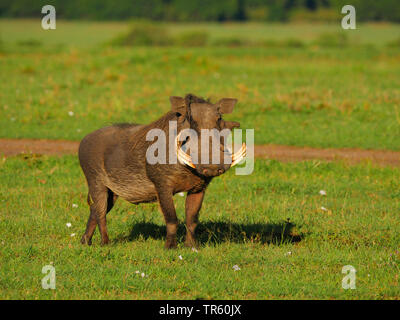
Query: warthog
[[114, 162]]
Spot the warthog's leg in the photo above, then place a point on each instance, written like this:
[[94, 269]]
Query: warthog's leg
[[91, 224], [112, 198], [192, 208], [99, 206], [167, 207]]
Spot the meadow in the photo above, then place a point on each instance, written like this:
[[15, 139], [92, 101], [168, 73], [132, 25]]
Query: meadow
[[289, 241], [270, 224], [316, 95]]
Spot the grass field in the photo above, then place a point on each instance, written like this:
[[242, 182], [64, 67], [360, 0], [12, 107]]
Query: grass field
[[288, 240], [249, 227], [316, 96]]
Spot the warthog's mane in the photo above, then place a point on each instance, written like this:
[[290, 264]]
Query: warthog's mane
[[163, 122], [191, 98]]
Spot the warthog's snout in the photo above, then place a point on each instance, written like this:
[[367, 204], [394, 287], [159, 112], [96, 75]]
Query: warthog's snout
[[226, 159], [212, 170]]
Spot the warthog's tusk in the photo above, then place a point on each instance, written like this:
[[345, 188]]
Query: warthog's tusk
[[239, 155], [182, 156]]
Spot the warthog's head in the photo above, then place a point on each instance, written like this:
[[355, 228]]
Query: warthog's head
[[201, 142]]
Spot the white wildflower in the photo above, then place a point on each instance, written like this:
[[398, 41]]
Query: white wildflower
[[322, 192], [71, 113], [74, 205], [236, 267], [68, 224]]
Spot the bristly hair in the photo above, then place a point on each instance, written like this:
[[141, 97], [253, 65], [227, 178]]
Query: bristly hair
[[124, 125], [191, 98], [163, 122]]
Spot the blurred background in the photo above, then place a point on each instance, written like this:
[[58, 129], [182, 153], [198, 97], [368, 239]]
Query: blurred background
[[299, 77], [207, 10]]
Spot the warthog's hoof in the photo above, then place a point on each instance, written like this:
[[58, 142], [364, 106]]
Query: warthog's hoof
[[85, 240], [170, 244], [191, 244]]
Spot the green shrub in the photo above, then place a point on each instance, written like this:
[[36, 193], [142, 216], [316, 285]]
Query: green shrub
[[290, 42], [257, 13], [321, 15], [231, 42], [293, 43], [151, 34], [192, 39], [338, 39], [144, 34], [29, 43], [394, 43]]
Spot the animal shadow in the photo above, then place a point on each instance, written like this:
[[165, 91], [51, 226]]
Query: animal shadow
[[211, 232]]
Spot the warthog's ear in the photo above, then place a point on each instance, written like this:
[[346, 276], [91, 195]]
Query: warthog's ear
[[226, 105], [231, 124], [178, 105]]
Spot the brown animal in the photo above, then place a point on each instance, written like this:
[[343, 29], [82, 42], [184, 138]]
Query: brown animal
[[113, 160]]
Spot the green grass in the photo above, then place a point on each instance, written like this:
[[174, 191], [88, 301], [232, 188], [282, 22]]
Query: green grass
[[67, 34], [316, 96], [244, 222]]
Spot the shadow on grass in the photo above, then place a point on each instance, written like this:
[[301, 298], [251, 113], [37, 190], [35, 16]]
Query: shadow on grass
[[219, 232]]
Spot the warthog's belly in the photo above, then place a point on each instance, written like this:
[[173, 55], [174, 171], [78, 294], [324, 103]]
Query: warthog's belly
[[134, 189]]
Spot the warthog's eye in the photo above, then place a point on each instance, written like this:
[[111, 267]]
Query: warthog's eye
[[220, 122]]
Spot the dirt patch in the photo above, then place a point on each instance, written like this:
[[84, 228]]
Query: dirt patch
[[349, 155], [10, 147]]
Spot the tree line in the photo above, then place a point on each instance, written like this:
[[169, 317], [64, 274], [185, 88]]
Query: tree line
[[205, 10]]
